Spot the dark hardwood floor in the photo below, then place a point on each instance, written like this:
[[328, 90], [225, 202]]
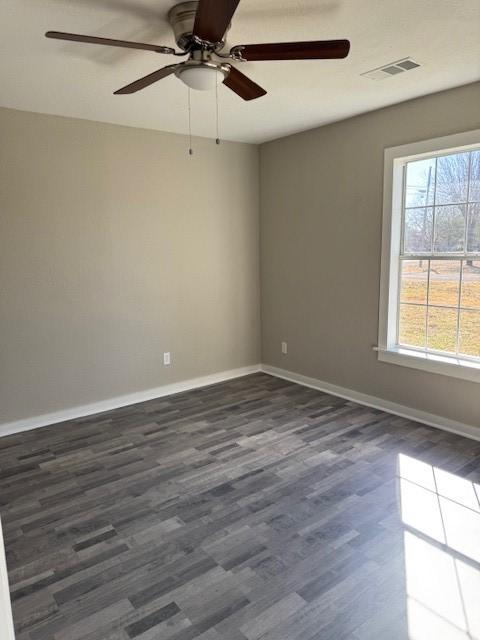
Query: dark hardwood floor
[[252, 509]]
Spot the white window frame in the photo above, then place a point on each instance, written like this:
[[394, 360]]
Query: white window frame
[[388, 350]]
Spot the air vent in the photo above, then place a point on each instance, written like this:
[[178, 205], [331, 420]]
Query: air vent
[[391, 69]]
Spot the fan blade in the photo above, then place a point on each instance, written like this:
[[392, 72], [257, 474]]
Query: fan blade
[[75, 37], [212, 19], [147, 80], [315, 50], [243, 86]]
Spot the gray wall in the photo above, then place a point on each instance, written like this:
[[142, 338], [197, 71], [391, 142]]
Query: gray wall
[[321, 218], [115, 246]]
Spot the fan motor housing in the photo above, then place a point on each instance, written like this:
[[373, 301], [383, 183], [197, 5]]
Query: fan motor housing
[[182, 19]]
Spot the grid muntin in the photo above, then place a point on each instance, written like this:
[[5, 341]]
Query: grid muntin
[[454, 256], [469, 254]]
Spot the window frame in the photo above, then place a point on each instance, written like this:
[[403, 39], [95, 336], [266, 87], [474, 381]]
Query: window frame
[[395, 159]]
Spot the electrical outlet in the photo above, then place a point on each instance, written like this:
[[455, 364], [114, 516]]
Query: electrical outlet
[[166, 358], [284, 348]]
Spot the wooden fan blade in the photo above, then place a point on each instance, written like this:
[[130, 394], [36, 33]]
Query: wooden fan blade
[[243, 86], [147, 80], [315, 50], [75, 37], [212, 19]]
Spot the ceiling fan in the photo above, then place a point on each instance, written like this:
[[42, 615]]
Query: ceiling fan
[[200, 28]]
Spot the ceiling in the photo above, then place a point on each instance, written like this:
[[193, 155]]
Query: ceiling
[[78, 80]]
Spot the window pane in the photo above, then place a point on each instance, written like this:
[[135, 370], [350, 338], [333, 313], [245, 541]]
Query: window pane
[[475, 177], [418, 230], [412, 325], [471, 284], [442, 329], [452, 178], [444, 282], [473, 227], [469, 340], [439, 298], [449, 228], [414, 281], [420, 183]]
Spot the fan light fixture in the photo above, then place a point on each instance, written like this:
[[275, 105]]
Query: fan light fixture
[[202, 77]]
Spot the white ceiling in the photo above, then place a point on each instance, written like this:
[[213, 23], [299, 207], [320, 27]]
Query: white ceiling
[[78, 80]]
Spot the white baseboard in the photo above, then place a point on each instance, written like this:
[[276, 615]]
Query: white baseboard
[[122, 401], [460, 428], [430, 419]]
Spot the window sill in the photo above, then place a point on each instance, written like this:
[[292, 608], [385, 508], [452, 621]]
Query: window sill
[[444, 365]]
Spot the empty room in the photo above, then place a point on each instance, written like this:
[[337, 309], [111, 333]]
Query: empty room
[[240, 320]]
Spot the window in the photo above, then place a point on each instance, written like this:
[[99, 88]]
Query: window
[[430, 291]]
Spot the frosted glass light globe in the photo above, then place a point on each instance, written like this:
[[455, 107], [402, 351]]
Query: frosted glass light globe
[[201, 77]]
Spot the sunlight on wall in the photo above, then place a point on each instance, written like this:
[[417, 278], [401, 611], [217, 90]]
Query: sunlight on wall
[[442, 552]]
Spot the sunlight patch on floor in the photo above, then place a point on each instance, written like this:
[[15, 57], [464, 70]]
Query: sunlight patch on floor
[[442, 552]]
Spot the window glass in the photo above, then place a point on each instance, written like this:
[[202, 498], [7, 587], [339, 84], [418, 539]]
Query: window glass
[[439, 280], [473, 236], [442, 329], [471, 284], [420, 183], [414, 279], [450, 223], [474, 191], [444, 282], [418, 230], [412, 325], [451, 183]]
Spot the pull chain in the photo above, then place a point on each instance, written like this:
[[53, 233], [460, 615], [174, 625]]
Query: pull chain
[[190, 150], [217, 139], [217, 125]]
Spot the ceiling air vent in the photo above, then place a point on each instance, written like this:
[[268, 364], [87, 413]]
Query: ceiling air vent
[[391, 69]]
